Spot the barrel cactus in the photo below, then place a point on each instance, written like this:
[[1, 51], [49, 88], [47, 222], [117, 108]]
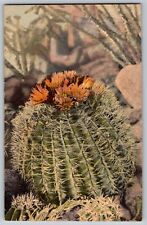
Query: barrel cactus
[[97, 209], [24, 207], [72, 138], [27, 207]]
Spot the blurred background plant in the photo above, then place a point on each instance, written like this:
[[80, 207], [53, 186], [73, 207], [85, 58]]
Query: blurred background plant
[[116, 27]]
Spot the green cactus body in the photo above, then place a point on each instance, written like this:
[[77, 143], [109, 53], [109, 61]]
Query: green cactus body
[[87, 150]]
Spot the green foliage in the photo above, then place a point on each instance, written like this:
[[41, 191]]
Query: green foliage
[[85, 151]]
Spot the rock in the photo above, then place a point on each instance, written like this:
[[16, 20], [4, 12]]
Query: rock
[[100, 68], [125, 214], [135, 116], [127, 111], [128, 81], [137, 130], [133, 199], [11, 181], [13, 185], [12, 90], [17, 91], [71, 215]]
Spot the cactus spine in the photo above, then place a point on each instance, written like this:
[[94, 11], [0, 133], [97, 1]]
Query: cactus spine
[[24, 207], [98, 209], [27, 207], [85, 150]]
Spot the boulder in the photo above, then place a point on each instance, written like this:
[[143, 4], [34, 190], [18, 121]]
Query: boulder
[[14, 185], [128, 81], [137, 130], [133, 199]]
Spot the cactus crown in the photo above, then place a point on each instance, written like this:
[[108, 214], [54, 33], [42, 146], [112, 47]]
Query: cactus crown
[[67, 150], [64, 90]]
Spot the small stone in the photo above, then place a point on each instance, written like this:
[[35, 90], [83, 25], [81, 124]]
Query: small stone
[[128, 81], [135, 116]]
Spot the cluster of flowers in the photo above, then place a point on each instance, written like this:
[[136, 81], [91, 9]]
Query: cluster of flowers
[[64, 89]]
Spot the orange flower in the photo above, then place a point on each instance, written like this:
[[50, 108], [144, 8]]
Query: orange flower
[[39, 94], [48, 83], [87, 82], [70, 74], [63, 97], [78, 92], [63, 101], [64, 89], [56, 81]]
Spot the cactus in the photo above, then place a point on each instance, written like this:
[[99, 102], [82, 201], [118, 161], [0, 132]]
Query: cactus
[[27, 207], [98, 209], [24, 207], [124, 45], [72, 139]]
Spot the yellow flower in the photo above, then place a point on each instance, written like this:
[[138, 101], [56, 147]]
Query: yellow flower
[[39, 94]]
